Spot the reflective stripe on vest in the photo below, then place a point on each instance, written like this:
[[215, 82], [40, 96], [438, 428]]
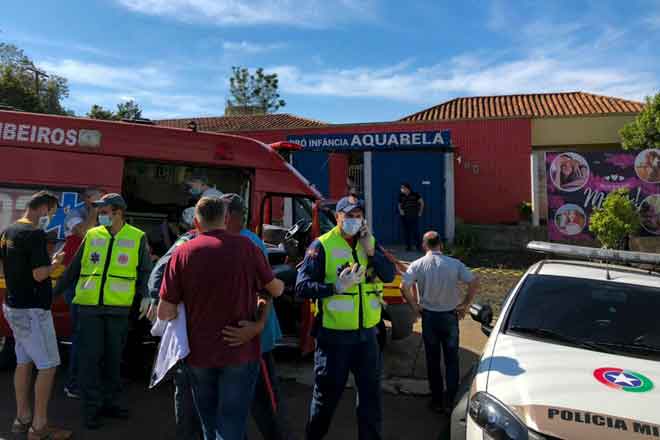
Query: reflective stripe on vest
[[121, 273], [342, 311]]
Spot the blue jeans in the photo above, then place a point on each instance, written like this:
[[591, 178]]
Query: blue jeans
[[223, 397], [332, 364], [440, 334]]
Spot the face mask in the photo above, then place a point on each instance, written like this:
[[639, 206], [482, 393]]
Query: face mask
[[351, 226], [105, 220], [195, 191], [43, 222]]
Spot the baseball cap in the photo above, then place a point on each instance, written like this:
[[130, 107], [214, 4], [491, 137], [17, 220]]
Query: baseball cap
[[234, 202], [349, 203], [111, 199]]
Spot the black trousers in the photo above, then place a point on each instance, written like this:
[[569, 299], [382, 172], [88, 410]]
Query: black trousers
[[411, 231], [101, 342]]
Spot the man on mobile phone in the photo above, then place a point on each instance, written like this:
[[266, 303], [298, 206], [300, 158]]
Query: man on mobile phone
[[348, 302]]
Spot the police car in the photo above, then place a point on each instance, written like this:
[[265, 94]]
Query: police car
[[574, 354]]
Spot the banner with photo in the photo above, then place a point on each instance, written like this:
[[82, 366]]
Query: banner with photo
[[579, 182]]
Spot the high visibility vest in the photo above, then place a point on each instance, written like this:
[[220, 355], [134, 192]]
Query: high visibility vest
[[357, 308], [109, 265]]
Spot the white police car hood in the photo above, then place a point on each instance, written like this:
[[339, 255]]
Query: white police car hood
[[569, 392]]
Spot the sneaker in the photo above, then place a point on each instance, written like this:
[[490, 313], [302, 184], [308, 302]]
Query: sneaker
[[50, 433], [71, 393]]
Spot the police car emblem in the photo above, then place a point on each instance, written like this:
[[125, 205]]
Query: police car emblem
[[624, 380], [95, 257]]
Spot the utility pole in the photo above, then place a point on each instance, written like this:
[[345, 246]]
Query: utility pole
[[37, 74]]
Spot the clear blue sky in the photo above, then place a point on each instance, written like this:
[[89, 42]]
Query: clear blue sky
[[338, 60]]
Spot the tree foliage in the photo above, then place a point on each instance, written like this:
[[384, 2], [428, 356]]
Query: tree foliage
[[644, 131], [25, 87], [125, 110], [258, 89], [616, 220]]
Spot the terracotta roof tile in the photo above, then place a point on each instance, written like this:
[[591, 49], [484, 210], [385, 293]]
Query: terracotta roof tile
[[538, 105], [244, 123]]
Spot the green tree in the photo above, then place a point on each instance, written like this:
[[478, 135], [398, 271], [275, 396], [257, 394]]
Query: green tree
[[616, 220], [644, 131], [125, 110], [13, 92], [128, 110], [98, 112], [258, 89], [49, 89]]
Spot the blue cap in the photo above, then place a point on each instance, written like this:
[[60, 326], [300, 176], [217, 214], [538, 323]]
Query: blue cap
[[111, 199], [347, 204]]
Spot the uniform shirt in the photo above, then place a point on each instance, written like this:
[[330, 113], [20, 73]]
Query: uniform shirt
[[310, 284], [272, 332], [437, 278], [217, 276], [22, 249], [72, 273], [410, 204]]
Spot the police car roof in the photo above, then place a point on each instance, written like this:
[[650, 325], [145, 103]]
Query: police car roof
[[596, 271]]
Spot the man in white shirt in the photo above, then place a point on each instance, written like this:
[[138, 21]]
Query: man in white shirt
[[440, 308]]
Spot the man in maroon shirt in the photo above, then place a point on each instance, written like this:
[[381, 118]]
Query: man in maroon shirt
[[217, 277]]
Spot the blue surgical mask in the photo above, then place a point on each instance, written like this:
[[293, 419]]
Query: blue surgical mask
[[105, 220], [195, 191], [43, 222], [351, 226]]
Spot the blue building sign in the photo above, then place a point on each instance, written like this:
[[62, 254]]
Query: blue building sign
[[407, 140]]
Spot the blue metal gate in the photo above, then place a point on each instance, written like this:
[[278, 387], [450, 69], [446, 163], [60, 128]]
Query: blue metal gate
[[425, 171], [314, 166]]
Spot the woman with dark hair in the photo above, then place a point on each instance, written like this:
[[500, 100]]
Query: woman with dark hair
[[411, 207]]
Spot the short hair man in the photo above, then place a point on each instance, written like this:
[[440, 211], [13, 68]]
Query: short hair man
[[27, 269], [343, 271], [440, 308], [217, 276], [267, 406], [110, 268]]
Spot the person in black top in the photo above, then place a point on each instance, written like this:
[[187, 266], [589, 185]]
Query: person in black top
[[411, 208], [27, 269]]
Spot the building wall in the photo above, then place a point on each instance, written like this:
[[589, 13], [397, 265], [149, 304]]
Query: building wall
[[578, 131], [492, 162]]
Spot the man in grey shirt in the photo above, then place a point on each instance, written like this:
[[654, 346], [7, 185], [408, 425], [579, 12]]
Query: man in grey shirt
[[440, 308]]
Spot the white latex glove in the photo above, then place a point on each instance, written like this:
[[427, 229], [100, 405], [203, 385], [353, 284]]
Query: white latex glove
[[365, 239], [144, 307], [348, 278]]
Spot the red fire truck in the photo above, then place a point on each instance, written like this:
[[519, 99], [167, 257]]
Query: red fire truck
[[149, 165]]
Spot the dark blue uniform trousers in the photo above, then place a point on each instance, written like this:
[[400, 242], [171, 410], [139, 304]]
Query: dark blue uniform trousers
[[332, 364]]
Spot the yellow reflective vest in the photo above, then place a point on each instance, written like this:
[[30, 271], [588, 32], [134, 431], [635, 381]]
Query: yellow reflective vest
[[360, 306], [109, 265]]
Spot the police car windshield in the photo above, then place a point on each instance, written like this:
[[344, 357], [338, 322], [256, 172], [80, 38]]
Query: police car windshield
[[612, 315]]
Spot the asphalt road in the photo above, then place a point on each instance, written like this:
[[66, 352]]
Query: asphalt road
[[406, 417]]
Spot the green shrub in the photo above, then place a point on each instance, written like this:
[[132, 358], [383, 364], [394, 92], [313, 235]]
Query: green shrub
[[616, 220]]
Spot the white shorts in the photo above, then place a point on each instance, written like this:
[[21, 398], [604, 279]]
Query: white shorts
[[35, 338]]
